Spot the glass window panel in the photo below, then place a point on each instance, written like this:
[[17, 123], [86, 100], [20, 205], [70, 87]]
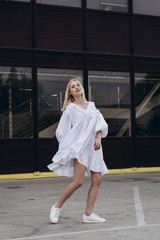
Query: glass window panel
[[111, 93], [147, 101], [146, 7], [51, 90], [16, 102], [69, 3], [108, 5]]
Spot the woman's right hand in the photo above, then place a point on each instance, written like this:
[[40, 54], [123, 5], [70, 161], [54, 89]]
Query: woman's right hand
[[97, 144]]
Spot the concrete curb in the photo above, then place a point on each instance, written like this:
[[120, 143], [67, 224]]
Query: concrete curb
[[39, 175]]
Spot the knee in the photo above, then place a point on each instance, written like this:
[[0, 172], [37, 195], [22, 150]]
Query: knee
[[97, 180], [78, 183]]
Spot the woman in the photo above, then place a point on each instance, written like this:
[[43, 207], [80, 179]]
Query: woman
[[79, 134]]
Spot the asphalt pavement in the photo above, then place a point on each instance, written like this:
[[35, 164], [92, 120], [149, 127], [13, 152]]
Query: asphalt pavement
[[129, 202]]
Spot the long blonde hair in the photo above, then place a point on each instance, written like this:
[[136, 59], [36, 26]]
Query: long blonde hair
[[68, 97]]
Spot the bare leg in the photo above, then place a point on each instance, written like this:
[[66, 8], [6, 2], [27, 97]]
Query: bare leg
[[93, 192], [79, 173]]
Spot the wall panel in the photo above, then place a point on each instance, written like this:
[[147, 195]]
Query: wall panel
[[59, 29], [15, 26], [146, 36], [16, 156], [15, 58], [59, 60], [107, 33], [147, 152], [99, 62], [118, 152], [142, 64], [47, 149]]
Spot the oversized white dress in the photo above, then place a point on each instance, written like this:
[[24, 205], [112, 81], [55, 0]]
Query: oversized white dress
[[76, 134]]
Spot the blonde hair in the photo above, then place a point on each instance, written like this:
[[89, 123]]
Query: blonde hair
[[68, 97]]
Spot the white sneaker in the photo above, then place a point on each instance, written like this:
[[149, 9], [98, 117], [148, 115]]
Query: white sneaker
[[54, 214], [93, 218]]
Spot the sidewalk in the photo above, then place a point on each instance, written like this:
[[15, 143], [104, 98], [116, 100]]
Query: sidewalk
[[130, 203]]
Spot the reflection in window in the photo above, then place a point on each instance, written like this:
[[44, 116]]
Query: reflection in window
[[51, 90], [147, 103], [109, 5], [111, 93], [16, 102], [146, 7], [69, 3]]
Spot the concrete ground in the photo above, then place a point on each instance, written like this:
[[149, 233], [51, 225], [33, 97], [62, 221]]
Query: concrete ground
[[130, 203]]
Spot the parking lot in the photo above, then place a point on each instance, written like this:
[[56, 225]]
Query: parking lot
[[129, 202]]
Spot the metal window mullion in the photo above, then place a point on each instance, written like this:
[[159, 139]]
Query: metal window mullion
[[35, 90], [132, 86]]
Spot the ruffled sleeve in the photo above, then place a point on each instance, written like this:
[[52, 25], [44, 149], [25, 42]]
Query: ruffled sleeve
[[101, 125], [64, 126]]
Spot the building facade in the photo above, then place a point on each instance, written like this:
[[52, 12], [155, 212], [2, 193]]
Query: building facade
[[111, 46]]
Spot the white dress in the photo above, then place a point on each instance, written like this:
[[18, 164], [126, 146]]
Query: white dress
[[76, 134]]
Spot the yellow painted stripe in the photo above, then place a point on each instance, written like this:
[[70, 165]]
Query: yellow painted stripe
[[23, 176], [39, 175], [134, 170]]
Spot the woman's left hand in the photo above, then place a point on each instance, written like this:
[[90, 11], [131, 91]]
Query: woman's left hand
[[97, 144]]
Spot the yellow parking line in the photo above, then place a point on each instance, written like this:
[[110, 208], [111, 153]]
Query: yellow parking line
[[134, 170]]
